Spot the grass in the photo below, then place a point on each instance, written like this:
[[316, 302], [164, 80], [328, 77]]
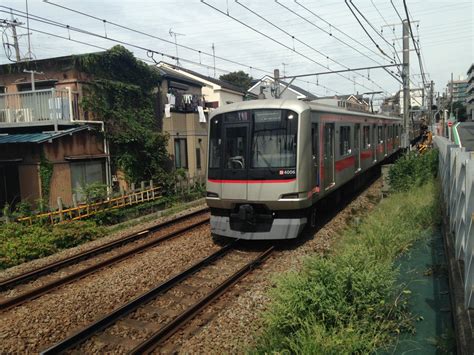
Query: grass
[[349, 301], [20, 243]]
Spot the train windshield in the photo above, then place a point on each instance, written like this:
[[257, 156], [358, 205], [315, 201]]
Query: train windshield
[[274, 139], [253, 144]]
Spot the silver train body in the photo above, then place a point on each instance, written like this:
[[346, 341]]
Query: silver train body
[[270, 161]]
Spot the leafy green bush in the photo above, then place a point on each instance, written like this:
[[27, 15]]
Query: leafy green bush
[[20, 243], [413, 169], [348, 302]]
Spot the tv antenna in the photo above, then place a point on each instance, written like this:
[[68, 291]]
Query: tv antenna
[[175, 35]]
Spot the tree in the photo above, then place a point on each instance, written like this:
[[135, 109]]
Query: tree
[[238, 78], [459, 111], [121, 94]]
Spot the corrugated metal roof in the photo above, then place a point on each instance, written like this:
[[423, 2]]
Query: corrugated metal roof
[[39, 137]]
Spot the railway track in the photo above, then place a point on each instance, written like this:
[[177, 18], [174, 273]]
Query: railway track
[[9, 302], [154, 316]]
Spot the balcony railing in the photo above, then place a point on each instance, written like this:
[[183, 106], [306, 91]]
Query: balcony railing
[[39, 107]]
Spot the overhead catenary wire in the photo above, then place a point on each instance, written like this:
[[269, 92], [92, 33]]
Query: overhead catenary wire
[[200, 52], [417, 50], [299, 41], [348, 36], [333, 60], [147, 50], [108, 38], [375, 30], [168, 41], [269, 37]]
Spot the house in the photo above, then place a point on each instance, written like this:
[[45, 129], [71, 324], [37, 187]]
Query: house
[[186, 97], [265, 89], [180, 100], [351, 102], [470, 93], [216, 93], [43, 125]]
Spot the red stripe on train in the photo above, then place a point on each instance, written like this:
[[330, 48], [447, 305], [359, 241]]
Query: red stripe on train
[[345, 163], [250, 181]]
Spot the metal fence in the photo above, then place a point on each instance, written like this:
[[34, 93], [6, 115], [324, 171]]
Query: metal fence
[[39, 106], [456, 167]]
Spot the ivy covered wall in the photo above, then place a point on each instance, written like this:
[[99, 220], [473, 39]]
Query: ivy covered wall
[[122, 94]]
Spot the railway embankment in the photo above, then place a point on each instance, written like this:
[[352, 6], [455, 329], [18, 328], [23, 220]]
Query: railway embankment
[[351, 300]]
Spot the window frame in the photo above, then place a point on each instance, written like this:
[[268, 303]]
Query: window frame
[[181, 166]]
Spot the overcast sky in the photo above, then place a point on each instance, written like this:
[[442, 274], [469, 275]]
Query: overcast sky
[[445, 31]]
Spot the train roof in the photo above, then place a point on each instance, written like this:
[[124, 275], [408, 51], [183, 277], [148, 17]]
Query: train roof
[[295, 105]]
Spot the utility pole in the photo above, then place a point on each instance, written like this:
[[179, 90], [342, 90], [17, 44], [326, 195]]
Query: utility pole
[[15, 41], [214, 57], [276, 76], [451, 92], [431, 120], [406, 85]]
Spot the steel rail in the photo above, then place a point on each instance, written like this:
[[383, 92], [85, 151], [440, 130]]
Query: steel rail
[[29, 295], [15, 280], [173, 326], [129, 307]]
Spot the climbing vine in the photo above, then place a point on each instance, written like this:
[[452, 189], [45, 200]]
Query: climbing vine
[[46, 174], [122, 95]]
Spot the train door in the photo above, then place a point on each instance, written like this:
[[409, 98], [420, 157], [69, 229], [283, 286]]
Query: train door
[[236, 160], [328, 154], [374, 142], [315, 154], [357, 146], [385, 138]]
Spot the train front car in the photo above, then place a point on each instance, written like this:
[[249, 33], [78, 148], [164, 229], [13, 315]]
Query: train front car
[[255, 172]]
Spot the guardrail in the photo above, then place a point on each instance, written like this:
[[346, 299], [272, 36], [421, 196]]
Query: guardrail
[[456, 168], [29, 107]]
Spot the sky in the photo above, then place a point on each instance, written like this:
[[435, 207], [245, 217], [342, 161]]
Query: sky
[[312, 36]]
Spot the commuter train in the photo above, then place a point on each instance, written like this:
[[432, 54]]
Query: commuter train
[[270, 161]]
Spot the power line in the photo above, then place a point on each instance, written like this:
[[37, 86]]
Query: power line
[[155, 37], [375, 30], [417, 50], [298, 40], [70, 28], [348, 36], [167, 41], [271, 38], [295, 13]]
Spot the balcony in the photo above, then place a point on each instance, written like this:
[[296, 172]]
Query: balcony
[[39, 108]]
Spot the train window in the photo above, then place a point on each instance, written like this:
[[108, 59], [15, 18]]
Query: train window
[[389, 136], [236, 145], [215, 148], [366, 137], [314, 139], [379, 135], [345, 140], [274, 139]]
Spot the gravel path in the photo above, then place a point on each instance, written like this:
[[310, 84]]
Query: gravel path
[[233, 328]]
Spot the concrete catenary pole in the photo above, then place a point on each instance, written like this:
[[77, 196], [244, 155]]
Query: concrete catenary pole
[[276, 76], [406, 84]]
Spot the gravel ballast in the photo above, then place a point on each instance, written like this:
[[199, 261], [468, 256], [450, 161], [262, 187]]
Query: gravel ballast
[[227, 326]]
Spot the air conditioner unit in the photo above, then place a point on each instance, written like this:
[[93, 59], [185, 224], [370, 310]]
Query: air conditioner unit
[[22, 115]]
